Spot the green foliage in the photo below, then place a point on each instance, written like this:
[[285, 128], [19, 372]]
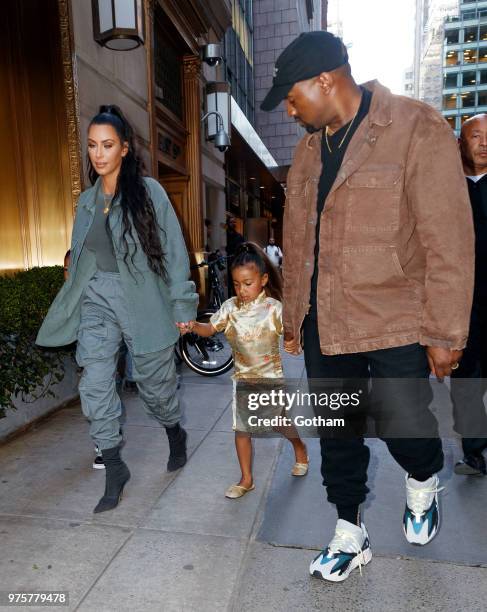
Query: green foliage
[[26, 369]]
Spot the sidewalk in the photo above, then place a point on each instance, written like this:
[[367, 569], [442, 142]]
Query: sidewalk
[[175, 543]]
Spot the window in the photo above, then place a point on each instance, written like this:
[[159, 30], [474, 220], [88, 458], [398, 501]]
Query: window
[[451, 58], [470, 34], [451, 121], [482, 55], [483, 77], [449, 102], [450, 80], [483, 33], [470, 56], [452, 37], [468, 99], [469, 78], [239, 57], [469, 15], [482, 98], [167, 66]]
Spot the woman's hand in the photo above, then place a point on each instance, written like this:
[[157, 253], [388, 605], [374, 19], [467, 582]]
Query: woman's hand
[[185, 327]]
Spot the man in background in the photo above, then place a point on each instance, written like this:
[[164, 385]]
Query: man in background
[[467, 386]]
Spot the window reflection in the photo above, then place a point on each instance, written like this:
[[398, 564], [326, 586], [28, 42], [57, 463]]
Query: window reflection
[[469, 78], [452, 36], [450, 80], [450, 101], [470, 34], [451, 58], [451, 121], [468, 99], [482, 100], [470, 56]]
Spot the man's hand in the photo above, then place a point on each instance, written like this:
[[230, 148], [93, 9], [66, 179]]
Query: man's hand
[[442, 360], [291, 345]]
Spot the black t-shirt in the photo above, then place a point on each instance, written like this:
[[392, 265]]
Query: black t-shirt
[[332, 160]]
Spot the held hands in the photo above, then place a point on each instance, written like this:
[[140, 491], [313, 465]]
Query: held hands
[[442, 360], [292, 345], [186, 327]]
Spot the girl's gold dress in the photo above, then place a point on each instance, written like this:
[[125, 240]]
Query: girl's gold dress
[[253, 330]]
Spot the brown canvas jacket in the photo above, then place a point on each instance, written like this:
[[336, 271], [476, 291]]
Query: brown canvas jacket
[[396, 258]]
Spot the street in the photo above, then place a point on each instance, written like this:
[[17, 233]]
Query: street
[[175, 543]]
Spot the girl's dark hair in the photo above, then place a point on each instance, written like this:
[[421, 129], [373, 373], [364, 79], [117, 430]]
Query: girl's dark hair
[[137, 207], [249, 254]]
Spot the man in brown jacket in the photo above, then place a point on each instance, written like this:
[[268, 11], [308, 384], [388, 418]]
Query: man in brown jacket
[[378, 271]]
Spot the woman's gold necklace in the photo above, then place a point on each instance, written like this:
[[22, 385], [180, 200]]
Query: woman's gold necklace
[[343, 139], [107, 198]]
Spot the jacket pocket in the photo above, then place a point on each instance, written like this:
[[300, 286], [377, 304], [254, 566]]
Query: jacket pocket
[[373, 197], [379, 297]]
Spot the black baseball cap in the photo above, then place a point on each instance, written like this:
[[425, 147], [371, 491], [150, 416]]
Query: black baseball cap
[[310, 54]]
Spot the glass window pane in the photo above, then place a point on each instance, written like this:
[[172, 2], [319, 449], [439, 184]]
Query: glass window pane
[[482, 101], [482, 55], [106, 17], [449, 102], [451, 121], [125, 14], [468, 99], [470, 34], [483, 77], [470, 56], [469, 78], [450, 80], [483, 32], [451, 36], [468, 15], [451, 58]]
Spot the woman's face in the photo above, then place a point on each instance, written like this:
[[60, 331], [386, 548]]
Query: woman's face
[[105, 149], [248, 282]]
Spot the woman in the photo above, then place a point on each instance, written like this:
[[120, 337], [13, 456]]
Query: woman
[[128, 280]]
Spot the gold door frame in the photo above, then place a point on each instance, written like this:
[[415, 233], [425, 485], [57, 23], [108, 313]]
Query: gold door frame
[[71, 103]]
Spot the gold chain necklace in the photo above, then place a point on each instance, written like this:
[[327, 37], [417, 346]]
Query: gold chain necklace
[[107, 198], [343, 139]]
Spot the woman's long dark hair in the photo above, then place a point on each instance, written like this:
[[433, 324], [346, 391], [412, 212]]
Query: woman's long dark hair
[[137, 207], [249, 254]]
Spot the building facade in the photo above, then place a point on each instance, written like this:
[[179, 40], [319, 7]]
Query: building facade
[[277, 23], [53, 78], [465, 63], [428, 66]]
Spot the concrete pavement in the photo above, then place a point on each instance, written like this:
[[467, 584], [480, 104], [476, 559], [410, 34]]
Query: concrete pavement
[[175, 543]]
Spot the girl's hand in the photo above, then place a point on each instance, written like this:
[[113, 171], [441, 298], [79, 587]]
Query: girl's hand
[[292, 346], [186, 327]]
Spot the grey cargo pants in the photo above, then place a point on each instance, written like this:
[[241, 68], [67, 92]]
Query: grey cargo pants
[[104, 322]]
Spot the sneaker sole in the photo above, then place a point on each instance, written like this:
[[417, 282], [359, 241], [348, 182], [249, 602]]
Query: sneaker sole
[[467, 470], [353, 565]]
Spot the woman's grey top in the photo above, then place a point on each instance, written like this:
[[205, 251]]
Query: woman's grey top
[[98, 240]]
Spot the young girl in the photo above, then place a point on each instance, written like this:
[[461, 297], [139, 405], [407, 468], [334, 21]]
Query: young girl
[[252, 324]]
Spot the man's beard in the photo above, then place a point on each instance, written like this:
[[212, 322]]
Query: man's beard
[[311, 129]]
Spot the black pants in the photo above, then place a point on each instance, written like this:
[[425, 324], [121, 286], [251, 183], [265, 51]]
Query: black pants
[[468, 383], [344, 462]]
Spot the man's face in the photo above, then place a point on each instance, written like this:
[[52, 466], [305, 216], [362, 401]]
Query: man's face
[[272, 242], [473, 144], [305, 104]]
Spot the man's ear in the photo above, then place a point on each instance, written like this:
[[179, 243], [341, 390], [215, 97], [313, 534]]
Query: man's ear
[[325, 79]]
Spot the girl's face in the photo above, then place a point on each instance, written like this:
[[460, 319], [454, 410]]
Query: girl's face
[[248, 282], [105, 149]]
